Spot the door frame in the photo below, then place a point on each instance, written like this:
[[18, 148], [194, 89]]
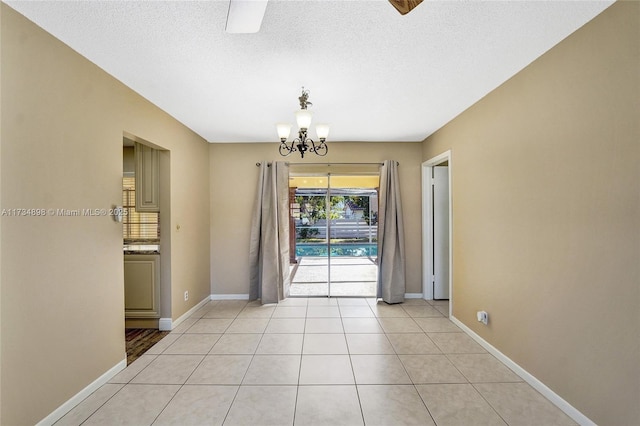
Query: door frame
[[427, 226], [165, 322], [328, 193]]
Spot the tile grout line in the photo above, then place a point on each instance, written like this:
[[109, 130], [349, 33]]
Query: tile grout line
[[304, 333], [463, 375], [415, 388], [200, 363], [489, 404], [136, 375], [96, 410], [353, 371], [180, 386], [245, 373]]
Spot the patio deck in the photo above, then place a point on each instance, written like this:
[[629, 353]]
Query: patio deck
[[350, 276]]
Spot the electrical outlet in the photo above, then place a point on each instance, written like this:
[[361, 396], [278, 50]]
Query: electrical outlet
[[186, 296], [483, 317]]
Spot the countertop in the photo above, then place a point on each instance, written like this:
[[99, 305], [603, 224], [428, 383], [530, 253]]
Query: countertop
[[141, 249]]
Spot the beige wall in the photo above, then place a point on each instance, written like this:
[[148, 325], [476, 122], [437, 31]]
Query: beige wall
[[62, 277], [546, 216], [234, 178]]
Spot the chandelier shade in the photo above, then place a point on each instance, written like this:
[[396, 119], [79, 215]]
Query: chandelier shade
[[303, 118], [284, 130], [322, 130]]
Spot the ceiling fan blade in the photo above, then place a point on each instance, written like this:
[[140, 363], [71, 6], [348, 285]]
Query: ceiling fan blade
[[405, 6], [245, 16]]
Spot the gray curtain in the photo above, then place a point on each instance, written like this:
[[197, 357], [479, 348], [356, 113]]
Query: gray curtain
[[391, 261], [269, 245]]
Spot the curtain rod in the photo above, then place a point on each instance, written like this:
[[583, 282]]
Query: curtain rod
[[330, 164], [334, 164]]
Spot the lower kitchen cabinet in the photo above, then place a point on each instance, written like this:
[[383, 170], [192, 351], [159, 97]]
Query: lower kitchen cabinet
[[142, 286]]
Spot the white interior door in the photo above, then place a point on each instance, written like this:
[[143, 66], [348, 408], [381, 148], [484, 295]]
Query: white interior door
[[441, 232]]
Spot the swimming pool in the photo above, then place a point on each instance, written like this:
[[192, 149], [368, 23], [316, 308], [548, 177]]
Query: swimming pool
[[338, 249]]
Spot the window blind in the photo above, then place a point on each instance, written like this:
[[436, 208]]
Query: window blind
[[137, 227]]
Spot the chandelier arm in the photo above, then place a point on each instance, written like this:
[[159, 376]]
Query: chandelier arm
[[285, 149], [321, 149]]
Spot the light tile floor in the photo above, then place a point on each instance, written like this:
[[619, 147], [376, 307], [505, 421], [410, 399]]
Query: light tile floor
[[317, 362]]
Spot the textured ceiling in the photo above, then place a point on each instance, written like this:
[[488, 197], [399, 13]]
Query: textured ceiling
[[373, 74]]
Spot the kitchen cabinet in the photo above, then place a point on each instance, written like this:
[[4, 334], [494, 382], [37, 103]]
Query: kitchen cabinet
[[142, 286], [147, 165]]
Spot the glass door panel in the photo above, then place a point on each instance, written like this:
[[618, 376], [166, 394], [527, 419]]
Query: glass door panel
[[309, 211], [353, 241]]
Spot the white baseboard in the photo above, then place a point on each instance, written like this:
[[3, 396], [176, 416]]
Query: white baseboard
[[556, 399], [83, 394], [246, 296], [164, 324], [413, 295], [230, 296], [173, 324]]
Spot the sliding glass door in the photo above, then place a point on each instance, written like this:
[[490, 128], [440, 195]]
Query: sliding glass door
[[335, 225]]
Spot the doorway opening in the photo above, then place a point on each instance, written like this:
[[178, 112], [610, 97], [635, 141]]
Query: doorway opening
[[334, 232], [146, 235], [436, 225]]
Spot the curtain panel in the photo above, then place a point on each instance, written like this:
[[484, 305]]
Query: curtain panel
[[391, 258], [269, 244]]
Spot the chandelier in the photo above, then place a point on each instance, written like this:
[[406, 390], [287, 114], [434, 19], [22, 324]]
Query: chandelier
[[303, 143]]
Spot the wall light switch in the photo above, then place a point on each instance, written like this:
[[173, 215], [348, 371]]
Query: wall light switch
[[118, 212]]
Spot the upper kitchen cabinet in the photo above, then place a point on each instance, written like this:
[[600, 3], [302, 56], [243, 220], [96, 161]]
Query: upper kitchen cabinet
[[147, 178]]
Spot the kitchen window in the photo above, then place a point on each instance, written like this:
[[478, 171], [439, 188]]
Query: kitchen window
[[137, 227]]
